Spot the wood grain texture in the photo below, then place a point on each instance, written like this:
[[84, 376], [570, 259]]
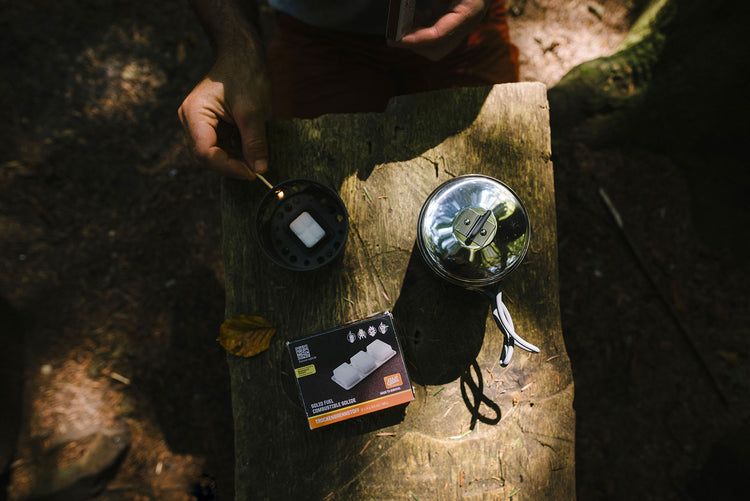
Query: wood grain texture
[[384, 166]]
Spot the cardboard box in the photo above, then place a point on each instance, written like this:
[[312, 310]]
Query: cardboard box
[[350, 371]]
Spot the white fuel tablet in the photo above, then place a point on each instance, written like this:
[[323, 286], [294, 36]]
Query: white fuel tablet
[[346, 375], [307, 229], [363, 362], [380, 351]]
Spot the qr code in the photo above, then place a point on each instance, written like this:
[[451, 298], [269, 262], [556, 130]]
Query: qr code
[[303, 352]]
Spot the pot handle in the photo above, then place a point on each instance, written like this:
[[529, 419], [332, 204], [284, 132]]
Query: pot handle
[[502, 318]]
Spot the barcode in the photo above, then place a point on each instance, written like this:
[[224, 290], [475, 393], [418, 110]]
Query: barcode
[[303, 352]]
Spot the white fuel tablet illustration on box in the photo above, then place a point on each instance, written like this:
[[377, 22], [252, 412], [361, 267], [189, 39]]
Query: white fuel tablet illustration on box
[[362, 364]]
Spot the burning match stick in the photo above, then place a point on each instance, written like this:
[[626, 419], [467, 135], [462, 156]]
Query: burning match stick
[[265, 181]]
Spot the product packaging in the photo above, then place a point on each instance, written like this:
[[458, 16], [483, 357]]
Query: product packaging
[[350, 370]]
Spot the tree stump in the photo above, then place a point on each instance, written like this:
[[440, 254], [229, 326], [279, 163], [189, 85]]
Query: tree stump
[[514, 434]]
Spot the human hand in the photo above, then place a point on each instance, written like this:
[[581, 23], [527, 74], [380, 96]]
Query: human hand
[[233, 97], [458, 18]]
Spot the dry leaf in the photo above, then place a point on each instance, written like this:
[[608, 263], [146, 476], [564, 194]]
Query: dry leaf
[[731, 358], [246, 336], [181, 52]]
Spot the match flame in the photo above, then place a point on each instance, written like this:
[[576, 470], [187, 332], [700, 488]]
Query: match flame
[[280, 194]]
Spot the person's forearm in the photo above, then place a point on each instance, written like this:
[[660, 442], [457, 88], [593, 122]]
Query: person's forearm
[[228, 23]]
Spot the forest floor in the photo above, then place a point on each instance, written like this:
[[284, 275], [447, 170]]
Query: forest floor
[[112, 282]]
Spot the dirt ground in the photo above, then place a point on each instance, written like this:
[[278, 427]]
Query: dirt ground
[[112, 284]]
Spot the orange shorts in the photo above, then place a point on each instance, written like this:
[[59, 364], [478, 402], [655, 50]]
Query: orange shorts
[[315, 71]]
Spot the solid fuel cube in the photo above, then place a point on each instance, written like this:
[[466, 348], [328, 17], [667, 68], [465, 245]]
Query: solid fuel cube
[[363, 362], [307, 229], [380, 351], [346, 375]]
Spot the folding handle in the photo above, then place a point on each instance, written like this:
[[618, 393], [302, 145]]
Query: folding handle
[[511, 338]]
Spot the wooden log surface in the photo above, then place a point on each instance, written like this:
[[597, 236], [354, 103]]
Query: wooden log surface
[[384, 165]]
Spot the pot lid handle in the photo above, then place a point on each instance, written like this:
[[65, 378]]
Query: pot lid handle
[[477, 227]]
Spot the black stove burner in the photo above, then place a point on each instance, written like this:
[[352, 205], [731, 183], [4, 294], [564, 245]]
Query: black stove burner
[[283, 205]]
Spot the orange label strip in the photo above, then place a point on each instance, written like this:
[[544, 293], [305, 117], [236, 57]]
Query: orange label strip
[[360, 409]]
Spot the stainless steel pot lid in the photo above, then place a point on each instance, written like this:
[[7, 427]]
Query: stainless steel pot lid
[[473, 230]]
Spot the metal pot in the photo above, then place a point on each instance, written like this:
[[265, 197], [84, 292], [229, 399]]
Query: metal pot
[[473, 231], [301, 224]]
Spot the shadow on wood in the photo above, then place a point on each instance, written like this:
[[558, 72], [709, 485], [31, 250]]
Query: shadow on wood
[[407, 129], [441, 324]]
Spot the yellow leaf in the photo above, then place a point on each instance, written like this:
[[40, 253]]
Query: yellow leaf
[[246, 336]]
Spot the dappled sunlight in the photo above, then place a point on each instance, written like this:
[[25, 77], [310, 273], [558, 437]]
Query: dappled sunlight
[[66, 405], [114, 78], [69, 400], [76, 395], [553, 36], [122, 227]]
